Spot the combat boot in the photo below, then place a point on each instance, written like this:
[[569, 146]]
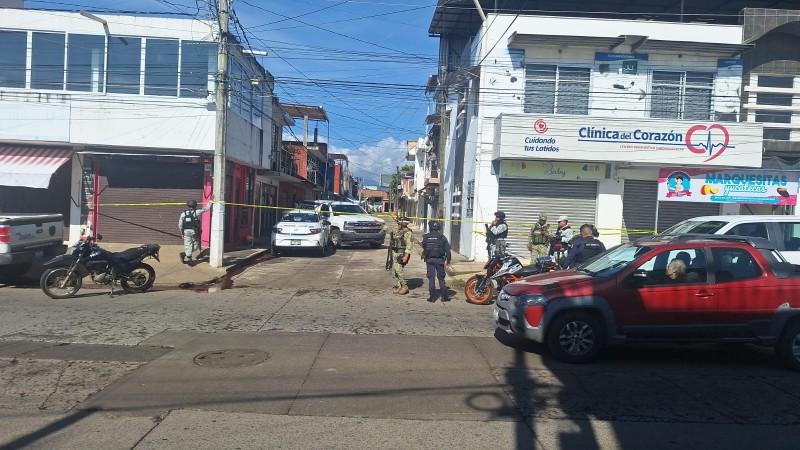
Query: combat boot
[[445, 297], [403, 290], [432, 296], [395, 289], [183, 258]]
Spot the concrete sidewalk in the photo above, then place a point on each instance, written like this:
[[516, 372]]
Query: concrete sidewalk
[[172, 274]]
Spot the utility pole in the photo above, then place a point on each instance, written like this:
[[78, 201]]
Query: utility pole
[[443, 131], [217, 243]]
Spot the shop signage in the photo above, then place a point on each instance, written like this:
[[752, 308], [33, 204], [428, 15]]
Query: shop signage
[[700, 143], [552, 170], [768, 187]]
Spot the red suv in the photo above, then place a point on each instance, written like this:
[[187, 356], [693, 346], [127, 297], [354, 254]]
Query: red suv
[[665, 289]]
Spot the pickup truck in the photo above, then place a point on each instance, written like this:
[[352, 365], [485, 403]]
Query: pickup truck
[[731, 289], [350, 223], [29, 238]]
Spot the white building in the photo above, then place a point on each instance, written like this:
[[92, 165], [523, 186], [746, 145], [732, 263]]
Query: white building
[[128, 103], [596, 118]]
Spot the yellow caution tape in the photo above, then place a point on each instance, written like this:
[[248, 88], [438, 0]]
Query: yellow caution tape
[[385, 215]]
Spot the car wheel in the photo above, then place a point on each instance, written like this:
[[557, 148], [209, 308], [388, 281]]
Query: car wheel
[[788, 348], [576, 338], [336, 238]]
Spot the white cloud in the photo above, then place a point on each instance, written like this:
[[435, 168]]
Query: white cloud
[[370, 161]]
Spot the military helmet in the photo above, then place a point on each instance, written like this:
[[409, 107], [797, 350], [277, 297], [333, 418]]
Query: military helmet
[[434, 225], [191, 204], [501, 215], [403, 220]]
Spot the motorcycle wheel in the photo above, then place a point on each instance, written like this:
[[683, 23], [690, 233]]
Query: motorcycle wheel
[[139, 279], [475, 294], [53, 279]]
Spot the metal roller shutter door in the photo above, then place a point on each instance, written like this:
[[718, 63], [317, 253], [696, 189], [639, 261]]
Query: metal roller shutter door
[[523, 200], [155, 182], [638, 209], [670, 213]]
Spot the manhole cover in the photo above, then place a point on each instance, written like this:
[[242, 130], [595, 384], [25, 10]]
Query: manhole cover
[[235, 357]]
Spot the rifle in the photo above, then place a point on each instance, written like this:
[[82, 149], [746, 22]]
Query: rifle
[[389, 259]]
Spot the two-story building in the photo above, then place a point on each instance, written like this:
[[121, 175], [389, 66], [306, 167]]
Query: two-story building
[[627, 120], [111, 120]]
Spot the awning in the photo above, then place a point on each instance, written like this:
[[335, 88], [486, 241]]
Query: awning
[[30, 166]]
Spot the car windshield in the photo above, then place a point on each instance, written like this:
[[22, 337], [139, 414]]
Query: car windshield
[[696, 227], [348, 209], [300, 217], [609, 263]]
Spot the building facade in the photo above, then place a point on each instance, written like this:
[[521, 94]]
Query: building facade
[[632, 125], [118, 113]]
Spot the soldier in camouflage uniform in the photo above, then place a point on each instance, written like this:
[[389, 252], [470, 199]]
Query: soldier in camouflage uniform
[[401, 242], [539, 238]]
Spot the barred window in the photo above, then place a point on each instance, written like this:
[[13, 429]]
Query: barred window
[[470, 198], [556, 89], [682, 95]]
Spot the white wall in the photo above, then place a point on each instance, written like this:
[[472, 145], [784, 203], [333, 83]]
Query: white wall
[[116, 120]]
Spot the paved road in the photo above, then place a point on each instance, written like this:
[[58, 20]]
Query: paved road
[[320, 354]]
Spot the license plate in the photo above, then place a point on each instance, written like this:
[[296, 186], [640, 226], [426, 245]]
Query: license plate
[[295, 242]]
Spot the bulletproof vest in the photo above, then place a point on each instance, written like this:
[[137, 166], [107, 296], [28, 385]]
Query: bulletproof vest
[[539, 238], [399, 240], [591, 248], [433, 246], [190, 220], [502, 235]]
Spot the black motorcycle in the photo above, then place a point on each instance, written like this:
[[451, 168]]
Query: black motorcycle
[[502, 269], [105, 268]]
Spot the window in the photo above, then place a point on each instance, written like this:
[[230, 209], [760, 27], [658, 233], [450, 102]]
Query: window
[[47, 61], [682, 95], [85, 62], [198, 66], [776, 82], [13, 52], [556, 89], [470, 198], [791, 235], [161, 67], [660, 270], [734, 264], [749, 229], [124, 64]]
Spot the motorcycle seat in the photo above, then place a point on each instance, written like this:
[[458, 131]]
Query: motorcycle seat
[[132, 253], [529, 270]]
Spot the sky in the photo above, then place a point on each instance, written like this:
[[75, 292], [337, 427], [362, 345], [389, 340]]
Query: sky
[[364, 61]]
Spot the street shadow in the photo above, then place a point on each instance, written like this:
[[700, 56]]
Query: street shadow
[[415, 283], [61, 424]]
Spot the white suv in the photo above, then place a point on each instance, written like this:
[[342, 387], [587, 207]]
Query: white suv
[[351, 224], [782, 231]]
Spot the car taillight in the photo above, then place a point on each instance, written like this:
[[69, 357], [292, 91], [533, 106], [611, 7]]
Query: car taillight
[[315, 230], [5, 234]]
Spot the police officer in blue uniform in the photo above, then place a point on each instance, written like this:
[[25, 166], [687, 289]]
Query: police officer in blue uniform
[[436, 253], [584, 247]]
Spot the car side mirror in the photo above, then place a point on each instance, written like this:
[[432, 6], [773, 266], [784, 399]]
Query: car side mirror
[[635, 280]]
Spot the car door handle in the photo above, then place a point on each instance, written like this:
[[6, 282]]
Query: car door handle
[[703, 294]]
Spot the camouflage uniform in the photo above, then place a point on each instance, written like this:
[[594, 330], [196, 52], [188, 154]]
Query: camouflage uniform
[[539, 241], [402, 241]]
